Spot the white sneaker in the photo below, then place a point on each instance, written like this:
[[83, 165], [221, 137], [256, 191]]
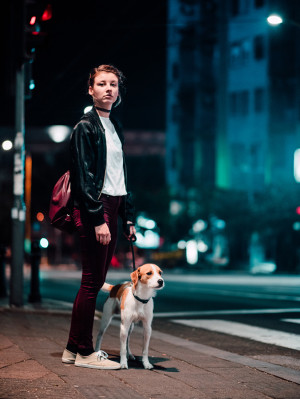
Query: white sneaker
[[97, 360], [68, 357]]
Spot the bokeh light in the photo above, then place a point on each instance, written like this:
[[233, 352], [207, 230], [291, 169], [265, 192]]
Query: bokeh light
[[7, 145], [40, 216]]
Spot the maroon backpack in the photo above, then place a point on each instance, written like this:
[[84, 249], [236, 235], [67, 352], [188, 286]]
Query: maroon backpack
[[60, 209]]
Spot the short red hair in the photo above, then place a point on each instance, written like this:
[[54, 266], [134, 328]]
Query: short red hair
[[106, 68]]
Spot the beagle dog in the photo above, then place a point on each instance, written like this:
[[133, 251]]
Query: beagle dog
[[134, 301]]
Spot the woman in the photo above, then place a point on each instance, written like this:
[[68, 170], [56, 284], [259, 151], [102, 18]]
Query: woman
[[99, 191]]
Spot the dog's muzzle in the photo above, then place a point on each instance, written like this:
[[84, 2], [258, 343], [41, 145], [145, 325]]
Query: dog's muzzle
[[160, 282]]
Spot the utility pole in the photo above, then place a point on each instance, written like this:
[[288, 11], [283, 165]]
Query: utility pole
[[18, 211], [29, 15]]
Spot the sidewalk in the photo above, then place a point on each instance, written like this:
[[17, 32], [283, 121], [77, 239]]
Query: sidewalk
[[33, 338]]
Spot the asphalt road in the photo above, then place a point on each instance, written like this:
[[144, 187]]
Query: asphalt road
[[259, 300]]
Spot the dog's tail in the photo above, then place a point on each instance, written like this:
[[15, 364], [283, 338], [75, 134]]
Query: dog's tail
[[107, 287]]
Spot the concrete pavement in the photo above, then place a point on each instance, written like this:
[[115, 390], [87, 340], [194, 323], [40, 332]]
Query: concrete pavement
[[32, 340]]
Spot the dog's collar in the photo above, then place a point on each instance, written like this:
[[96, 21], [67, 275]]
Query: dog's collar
[[140, 299]]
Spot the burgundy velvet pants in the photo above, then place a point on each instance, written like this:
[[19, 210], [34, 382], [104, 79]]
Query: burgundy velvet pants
[[95, 258]]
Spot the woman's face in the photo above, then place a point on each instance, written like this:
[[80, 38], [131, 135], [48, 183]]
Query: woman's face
[[105, 89]]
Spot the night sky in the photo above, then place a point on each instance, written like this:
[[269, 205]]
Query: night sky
[[129, 34]]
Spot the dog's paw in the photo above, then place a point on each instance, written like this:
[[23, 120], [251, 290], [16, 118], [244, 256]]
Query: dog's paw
[[124, 365], [147, 365]]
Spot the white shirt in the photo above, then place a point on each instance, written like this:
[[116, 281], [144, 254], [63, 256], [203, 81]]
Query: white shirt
[[114, 182]]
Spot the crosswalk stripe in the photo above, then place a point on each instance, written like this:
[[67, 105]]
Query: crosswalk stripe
[[249, 294], [265, 335], [226, 312], [297, 321]]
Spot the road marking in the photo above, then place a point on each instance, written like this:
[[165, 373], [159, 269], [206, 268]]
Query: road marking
[[245, 294], [265, 335], [269, 368], [235, 279], [226, 312], [297, 321]]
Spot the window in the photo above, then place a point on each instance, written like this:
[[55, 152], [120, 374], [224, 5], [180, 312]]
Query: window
[[244, 103], [259, 47], [233, 103], [254, 155], [238, 154], [173, 158], [240, 52], [259, 3], [175, 71], [239, 103], [240, 7], [234, 7], [188, 171], [245, 6], [259, 100], [246, 48], [187, 9], [234, 53]]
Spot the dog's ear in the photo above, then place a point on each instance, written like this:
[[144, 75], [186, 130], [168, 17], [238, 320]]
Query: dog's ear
[[135, 277]]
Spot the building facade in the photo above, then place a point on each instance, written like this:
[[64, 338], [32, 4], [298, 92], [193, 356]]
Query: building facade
[[232, 94], [191, 110], [262, 104]]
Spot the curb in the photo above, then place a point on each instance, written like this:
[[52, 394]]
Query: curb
[[47, 306]]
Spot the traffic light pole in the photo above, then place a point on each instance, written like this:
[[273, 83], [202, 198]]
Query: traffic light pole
[[18, 212]]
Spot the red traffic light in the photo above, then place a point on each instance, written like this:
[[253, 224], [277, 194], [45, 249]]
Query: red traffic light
[[32, 20], [38, 12], [298, 210], [47, 14]]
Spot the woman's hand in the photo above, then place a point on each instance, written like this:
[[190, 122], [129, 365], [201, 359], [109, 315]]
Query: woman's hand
[[130, 231], [103, 234]]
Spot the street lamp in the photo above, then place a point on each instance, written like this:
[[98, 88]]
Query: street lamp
[[7, 145], [274, 19]]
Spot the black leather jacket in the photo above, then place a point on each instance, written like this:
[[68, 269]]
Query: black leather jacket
[[88, 166]]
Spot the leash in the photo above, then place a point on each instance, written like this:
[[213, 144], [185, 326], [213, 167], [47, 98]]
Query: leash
[[144, 301], [132, 239]]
